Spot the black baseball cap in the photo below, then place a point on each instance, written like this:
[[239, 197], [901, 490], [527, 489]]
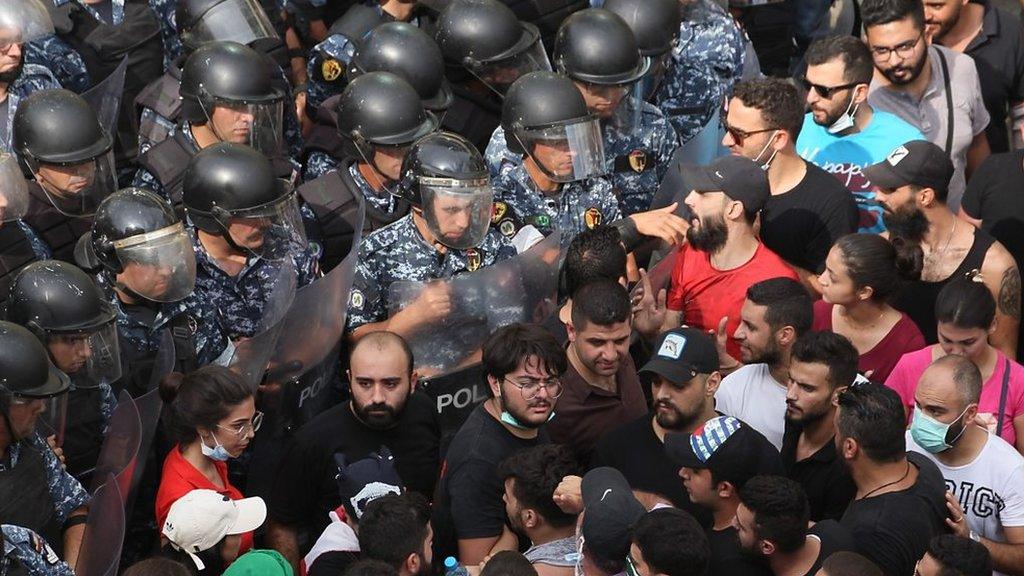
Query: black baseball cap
[[681, 354], [363, 481], [740, 178], [610, 511], [917, 162], [731, 449]]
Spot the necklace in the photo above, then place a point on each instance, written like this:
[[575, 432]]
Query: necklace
[[902, 478], [948, 240]]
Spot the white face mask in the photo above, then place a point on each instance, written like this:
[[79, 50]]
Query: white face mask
[[845, 122], [768, 163]]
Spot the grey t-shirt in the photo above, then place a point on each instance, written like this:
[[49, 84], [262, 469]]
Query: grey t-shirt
[[930, 114], [561, 552]]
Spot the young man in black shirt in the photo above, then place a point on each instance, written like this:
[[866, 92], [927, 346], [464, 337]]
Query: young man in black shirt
[[822, 363], [771, 522], [383, 411], [717, 460], [395, 529], [809, 209], [901, 496], [523, 364], [684, 378]]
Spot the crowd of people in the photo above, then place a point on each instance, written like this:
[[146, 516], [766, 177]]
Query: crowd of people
[[486, 288]]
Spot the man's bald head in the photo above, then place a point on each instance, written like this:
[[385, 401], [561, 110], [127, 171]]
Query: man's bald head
[[952, 376], [381, 343]]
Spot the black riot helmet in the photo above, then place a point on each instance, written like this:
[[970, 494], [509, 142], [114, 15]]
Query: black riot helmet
[[597, 46], [486, 38], [446, 177], [655, 23], [25, 369], [202, 21], [381, 109], [411, 54]]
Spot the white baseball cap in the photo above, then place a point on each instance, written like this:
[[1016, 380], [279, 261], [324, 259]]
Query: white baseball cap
[[200, 519]]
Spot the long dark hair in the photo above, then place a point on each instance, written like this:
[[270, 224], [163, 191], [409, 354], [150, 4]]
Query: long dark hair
[[885, 266], [966, 303], [200, 399]]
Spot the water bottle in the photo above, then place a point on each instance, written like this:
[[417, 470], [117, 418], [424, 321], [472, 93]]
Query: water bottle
[[453, 568]]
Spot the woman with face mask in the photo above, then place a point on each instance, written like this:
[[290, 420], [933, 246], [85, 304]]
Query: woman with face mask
[[211, 416], [965, 311]]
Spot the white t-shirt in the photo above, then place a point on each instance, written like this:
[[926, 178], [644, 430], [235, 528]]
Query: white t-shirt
[[990, 489], [755, 397]]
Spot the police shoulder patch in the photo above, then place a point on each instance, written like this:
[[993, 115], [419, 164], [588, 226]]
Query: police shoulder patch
[[498, 212], [507, 227], [330, 69], [592, 218], [473, 259], [356, 299]]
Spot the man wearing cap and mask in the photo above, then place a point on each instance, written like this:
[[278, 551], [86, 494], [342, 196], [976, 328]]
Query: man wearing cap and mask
[[203, 527], [716, 461], [684, 376], [35, 491], [984, 473]]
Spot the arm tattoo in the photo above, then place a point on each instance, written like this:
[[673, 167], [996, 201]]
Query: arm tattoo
[[1009, 293]]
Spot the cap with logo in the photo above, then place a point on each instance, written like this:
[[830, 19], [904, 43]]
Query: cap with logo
[[917, 162], [681, 354], [363, 481], [610, 511], [199, 520], [731, 449], [740, 178]]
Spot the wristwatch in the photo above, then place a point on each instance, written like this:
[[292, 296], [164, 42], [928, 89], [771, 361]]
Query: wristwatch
[[975, 536]]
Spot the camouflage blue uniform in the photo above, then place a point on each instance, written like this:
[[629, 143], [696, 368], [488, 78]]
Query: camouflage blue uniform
[[61, 59], [239, 300], [497, 155], [318, 163], [688, 95], [164, 10], [66, 492], [578, 206], [637, 160], [325, 70], [33, 77], [399, 252], [146, 179], [39, 247], [32, 552], [709, 34]]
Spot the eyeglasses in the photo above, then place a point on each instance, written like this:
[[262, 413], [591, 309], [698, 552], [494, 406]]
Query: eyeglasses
[[530, 387], [631, 566], [826, 92], [883, 53], [244, 429], [740, 135]]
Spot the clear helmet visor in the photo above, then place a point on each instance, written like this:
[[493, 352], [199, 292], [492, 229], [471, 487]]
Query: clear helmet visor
[[498, 75], [53, 420], [23, 21], [242, 21], [159, 266], [259, 126], [89, 358], [77, 189], [568, 152], [274, 231], [13, 189], [649, 84], [458, 212]]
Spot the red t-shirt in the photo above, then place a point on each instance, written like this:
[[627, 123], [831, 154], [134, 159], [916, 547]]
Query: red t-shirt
[[705, 294], [180, 477], [880, 360]]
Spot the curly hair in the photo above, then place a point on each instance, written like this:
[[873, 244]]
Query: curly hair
[[777, 100]]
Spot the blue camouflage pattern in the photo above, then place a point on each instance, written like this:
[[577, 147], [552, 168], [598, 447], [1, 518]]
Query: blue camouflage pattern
[[117, 10], [498, 157], [32, 552], [33, 77], [61, 59], [238, 301], [327, 69], [66, 492], [709, 34], [636, 160], [39, 246], [108, 401], [399, 252], [688, 96], [319, 163], [164, 10]]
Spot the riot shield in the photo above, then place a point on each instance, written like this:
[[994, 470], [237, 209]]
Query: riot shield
[[105, 97], [522, 289], [120, 451], [104, 532], [455, 395], [149, 407], [163, 363], [251, 355]]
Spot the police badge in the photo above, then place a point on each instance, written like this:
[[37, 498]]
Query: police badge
[[592, 218], [330, 69], [638, 160], [473, 259]]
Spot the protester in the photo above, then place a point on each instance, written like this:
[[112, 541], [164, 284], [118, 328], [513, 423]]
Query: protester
[[395, 529], [954, 554], [508, 563], [207, 527], [670, 542], [610, 513], [848, 564]]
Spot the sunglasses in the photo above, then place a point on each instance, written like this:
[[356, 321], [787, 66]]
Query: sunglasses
[[740, 135], [826, 92]]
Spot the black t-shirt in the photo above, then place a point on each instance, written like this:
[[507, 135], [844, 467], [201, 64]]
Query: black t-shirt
[[824, 477], [893, 529], [995, 195], [998, 53], [636, 451], [469, 496], [834, 538], [305, 490], [802, 225], [728, 558]]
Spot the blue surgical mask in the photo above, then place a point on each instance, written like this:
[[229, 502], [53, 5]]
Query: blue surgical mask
[[511, 420], [218, 452], [930, 434]]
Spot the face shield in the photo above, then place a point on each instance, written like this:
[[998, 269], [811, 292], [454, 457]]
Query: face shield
[[160, 265], [566, 152], [23, 21], [257, 125], [273, 231], [77, 189], [458, 212], [619, 105], [242, 21], [89, 357], [13, 189], [649, 84], [53, 421], [498, 75]]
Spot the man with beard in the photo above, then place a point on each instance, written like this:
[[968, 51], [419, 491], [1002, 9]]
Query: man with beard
[[929, 86], [684, 377], [602, 390], [524, 364], [992, 37], [395, 529], [842, 134], [775, 313], [912, 185], [822, 364], [722, 255], [383, 411]]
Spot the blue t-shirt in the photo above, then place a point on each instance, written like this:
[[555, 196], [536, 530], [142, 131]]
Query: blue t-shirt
[[845, 157]]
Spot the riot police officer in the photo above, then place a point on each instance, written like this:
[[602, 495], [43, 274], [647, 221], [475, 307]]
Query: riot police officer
[[61, 143], [485, 49], [226, 96], [248, 234], [21, 22], [62, 306], [35, 492], [40, 46], [379, 117], [148, 269], [19, 244], [26, 552], [447, 233], [409, 53]]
